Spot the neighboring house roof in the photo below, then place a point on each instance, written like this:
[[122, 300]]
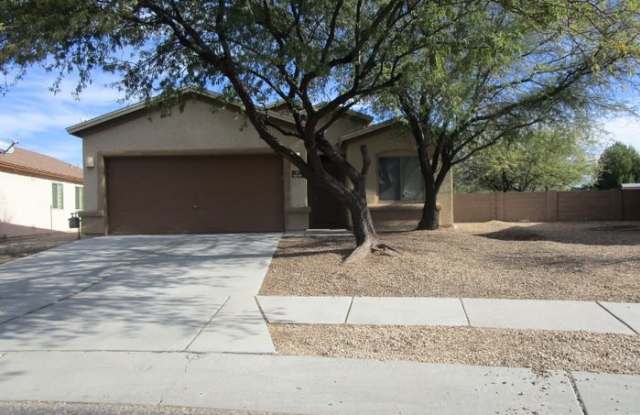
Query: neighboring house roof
[[30, 163], [77, 129], [631, 186], [369, 130]]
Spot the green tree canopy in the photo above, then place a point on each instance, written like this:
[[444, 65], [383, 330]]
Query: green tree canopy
[[319, 57], [542, 158], [500, 68], [618, 164]]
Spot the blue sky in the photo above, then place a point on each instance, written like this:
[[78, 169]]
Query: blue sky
[[37, 118], [32, 114]]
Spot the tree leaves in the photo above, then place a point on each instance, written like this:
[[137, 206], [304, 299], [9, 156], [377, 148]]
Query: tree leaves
[[618, 164], [551, 157]]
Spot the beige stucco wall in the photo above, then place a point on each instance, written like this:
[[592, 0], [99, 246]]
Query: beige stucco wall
[[26, 205], [395, 140], [201, 127]]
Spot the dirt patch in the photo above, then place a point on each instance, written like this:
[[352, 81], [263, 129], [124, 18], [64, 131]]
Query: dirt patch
[[580, 261], [12, 248], [539, 350]]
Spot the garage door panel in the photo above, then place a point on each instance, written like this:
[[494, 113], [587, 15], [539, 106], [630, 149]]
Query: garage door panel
[[195, 194]]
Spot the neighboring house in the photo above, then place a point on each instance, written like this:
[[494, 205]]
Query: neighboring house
[[202, 168], [38, 193]]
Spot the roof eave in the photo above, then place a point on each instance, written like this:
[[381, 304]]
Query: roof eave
[[35, 172], [350, 112], [85, 125], [369, 130], [76, 129]]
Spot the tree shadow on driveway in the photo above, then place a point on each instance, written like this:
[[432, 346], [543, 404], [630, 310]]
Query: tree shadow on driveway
[[127, 293]]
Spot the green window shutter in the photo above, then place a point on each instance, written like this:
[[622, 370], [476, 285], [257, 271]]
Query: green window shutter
[[60, 196], [79, 198], [57, 197]]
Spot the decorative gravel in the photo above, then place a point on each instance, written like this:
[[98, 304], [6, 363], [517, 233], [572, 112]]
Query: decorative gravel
[[581, 261], [539, 350]]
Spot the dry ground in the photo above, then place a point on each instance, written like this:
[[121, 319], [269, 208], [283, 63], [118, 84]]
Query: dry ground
[[539, 350], [18, 247], [581, 261], [78, 408]]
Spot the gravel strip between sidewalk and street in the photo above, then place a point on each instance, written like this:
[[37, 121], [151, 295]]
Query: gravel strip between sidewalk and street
[[538, 350], [72, 408]]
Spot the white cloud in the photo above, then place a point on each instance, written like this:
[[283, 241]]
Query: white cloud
[[30, 107], [624, 129], [98, 93], [17, 122], [37, 118], [43, 131]]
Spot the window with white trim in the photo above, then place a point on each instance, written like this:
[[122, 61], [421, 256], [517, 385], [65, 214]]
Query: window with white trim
[[57, 196], [400, 179]]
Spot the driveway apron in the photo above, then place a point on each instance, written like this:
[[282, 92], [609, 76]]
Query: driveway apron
[[139, 293]]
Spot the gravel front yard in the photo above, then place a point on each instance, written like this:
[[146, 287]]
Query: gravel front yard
[[581, 261], [18, 247], [539, 350]]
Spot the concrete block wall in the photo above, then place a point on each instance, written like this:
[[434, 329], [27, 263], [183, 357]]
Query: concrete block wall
[[571, 206]]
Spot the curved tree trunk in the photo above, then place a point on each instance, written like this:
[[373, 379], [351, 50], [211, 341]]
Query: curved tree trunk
[[363, 229]]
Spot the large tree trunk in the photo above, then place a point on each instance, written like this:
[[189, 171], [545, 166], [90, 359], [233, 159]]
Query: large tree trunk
[[363, 229], [430, 213], [432, 178], [430, 219], [353, 199], [361, 220], [362, 225], [364, 232]]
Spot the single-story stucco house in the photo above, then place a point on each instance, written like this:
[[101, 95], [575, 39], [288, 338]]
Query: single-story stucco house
[[202, 168], [38, 193]]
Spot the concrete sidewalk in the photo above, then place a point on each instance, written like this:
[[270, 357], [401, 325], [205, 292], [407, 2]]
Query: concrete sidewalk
[[308, 384], [590, 316]]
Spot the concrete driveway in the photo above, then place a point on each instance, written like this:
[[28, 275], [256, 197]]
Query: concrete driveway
[[147, 293]]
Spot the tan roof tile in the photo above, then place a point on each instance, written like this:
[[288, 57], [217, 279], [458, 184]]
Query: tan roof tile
[[30, 163]]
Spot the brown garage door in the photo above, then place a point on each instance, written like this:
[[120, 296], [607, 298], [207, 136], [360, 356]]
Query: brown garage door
[[194, 194]]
